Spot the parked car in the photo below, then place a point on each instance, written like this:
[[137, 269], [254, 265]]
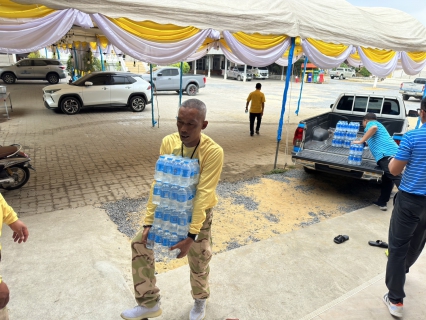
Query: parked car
[[413, 89], [313, 139], [238, 73], [168, 79], [259, 72], [51, 70], [342, 73], [99, 89]]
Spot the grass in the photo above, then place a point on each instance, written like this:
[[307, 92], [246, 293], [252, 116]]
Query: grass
[[280, 170]]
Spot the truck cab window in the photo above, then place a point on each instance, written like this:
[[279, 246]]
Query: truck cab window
[[390, 107], [345, 103], [375, 105], [174, 72], [360, 104]]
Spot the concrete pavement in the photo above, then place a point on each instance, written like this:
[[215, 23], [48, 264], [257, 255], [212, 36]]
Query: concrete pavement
[[76, 265]]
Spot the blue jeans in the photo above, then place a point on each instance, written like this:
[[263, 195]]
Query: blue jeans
[[407, 237]]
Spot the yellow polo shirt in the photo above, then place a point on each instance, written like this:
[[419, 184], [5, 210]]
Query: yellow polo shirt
[[257, 98], [8, 216], [210, 156]]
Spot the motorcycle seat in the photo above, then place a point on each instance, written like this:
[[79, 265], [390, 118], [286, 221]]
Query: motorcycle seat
[[7, 151]]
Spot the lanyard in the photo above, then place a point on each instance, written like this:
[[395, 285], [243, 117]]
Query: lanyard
[[193, 151]]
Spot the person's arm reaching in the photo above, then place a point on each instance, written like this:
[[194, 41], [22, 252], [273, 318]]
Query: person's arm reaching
[[367, 135]]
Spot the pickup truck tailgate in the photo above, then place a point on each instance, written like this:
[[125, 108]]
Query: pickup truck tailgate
[[320, 155]]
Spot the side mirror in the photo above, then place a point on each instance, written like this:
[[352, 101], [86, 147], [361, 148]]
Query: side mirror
[[413, 113], [331, 106], [88, 83], [159, 74]]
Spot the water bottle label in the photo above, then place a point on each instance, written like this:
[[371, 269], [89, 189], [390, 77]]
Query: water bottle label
[[151, 236], [158, 238], [186, 173], [165, 242], [175, 242], [158, 214], [174, 219], [166, 217], [157, 191], [181, 198], [183, 221]]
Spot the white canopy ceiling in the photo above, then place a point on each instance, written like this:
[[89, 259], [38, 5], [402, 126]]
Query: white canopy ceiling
[[334, 21]]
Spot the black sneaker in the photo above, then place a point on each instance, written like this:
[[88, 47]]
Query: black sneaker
[[257, 132], [382, 207], [251, 133]]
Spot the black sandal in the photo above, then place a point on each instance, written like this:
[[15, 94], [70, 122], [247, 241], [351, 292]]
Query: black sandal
[[378, 243], [341, 238]]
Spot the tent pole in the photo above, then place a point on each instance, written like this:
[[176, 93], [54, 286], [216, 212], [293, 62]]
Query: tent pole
[[226, 67], [152, 95], [195, 66], [301, 86], [287, 83], [180, 88], [245, 73], [375, 82], [102, 59]]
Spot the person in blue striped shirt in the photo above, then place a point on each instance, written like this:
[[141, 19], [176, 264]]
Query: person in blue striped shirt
[[383, 148], [407, 229]]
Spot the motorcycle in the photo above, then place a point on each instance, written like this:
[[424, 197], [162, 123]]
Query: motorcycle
[[14, 167]]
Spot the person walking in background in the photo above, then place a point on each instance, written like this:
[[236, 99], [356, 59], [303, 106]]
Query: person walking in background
[[20, 234], [187, 142], [407, 230], [383, 148], [257, 107]]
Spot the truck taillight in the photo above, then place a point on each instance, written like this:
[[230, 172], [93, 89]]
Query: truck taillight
[[62, 67], [204, 79], [400, 87], [298, 137], [423, 89]]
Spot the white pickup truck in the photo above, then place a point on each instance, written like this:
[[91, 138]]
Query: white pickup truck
[[168, 79], [313, 137], [238, 73], [413, 89], [342, 73]]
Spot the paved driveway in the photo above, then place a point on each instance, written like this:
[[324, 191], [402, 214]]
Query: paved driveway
[[105, 155]]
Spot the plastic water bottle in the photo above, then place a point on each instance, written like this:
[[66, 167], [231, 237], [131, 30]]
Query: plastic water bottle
[[173, 196], [168, 169], [189, 215], [165, 194], [185, 179], [158, 244], [182, 199], [351, 159], [158, 216], [190, 192], [165, 245], [177, 170], [151, 238], [159, 168], [174, 221], [182, 229], [173, 241], [347, 144], [156, 193], [165, 225]]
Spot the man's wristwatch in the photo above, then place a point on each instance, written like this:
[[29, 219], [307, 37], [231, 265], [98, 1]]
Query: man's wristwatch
[[193, 236]]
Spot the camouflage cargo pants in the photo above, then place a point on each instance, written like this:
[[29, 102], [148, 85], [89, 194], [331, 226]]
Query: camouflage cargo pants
[[4, 314], [199, 256]]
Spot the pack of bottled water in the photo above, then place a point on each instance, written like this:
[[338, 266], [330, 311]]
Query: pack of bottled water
[[176, 180], [344, 134], [355, 154]]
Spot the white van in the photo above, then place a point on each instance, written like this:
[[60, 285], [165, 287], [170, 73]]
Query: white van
[[259, 72]]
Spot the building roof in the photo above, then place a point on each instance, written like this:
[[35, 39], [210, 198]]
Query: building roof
[[309, 65]]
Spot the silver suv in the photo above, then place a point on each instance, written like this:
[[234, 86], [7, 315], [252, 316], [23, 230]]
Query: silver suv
[[34, 69]]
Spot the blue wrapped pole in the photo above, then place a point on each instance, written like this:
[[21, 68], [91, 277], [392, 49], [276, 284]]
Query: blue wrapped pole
[[59, 55], [152, 95], [180, 88], [45, 50], [301, 86], [102, 58], [287, 84], [75, 65]]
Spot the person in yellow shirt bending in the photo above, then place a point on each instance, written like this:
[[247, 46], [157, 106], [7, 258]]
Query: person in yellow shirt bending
[[20, 234], [187, 142], [257, 107]]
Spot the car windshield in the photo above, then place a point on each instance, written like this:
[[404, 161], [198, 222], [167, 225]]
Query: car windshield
[[82, 80]]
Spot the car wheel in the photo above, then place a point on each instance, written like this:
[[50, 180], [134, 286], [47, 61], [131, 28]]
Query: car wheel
[[191, 89], [52, 78], [341, 77], [405, 97], [9, 78], [309, 170], [70, 105], [331, 77], [137, 104], [238, 78], [353, 76], [21, 175]]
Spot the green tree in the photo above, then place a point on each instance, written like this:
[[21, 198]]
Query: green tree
[[35, 54], [364, 72], [185, 66]]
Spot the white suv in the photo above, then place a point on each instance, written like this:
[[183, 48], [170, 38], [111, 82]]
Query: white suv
[[99, 89], [342, 73]]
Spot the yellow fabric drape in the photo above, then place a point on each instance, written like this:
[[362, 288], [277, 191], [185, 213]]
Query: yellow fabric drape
[[156, 32], [223, 42], [103, 41], [326, 48], [94, 46], [205, 44], [297, 51], [259, 41], [417, 56], [12, 10], [355, 56], [378, 55]]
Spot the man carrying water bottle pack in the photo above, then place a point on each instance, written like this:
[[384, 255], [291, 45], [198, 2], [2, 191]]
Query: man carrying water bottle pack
[[187, 142], [383, 148]]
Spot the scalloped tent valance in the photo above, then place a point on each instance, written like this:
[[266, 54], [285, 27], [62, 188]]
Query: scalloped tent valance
[[259, 34]]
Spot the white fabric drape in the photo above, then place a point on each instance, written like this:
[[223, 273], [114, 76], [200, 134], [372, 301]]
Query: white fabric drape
[[284, 62], [354, 62], [148, 51], [199, 54], [229, 55], [253, 57], [379, 69], [39, 33], [322, 61], [409, 66]]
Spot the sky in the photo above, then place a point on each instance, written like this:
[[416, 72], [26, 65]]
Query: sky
[[416, 8]]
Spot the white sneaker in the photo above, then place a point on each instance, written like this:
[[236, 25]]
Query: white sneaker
[[198, 311], [394, 309], [139, 312]]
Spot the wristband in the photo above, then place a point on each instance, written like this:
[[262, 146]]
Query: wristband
[[193, 236], [147, 226]]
